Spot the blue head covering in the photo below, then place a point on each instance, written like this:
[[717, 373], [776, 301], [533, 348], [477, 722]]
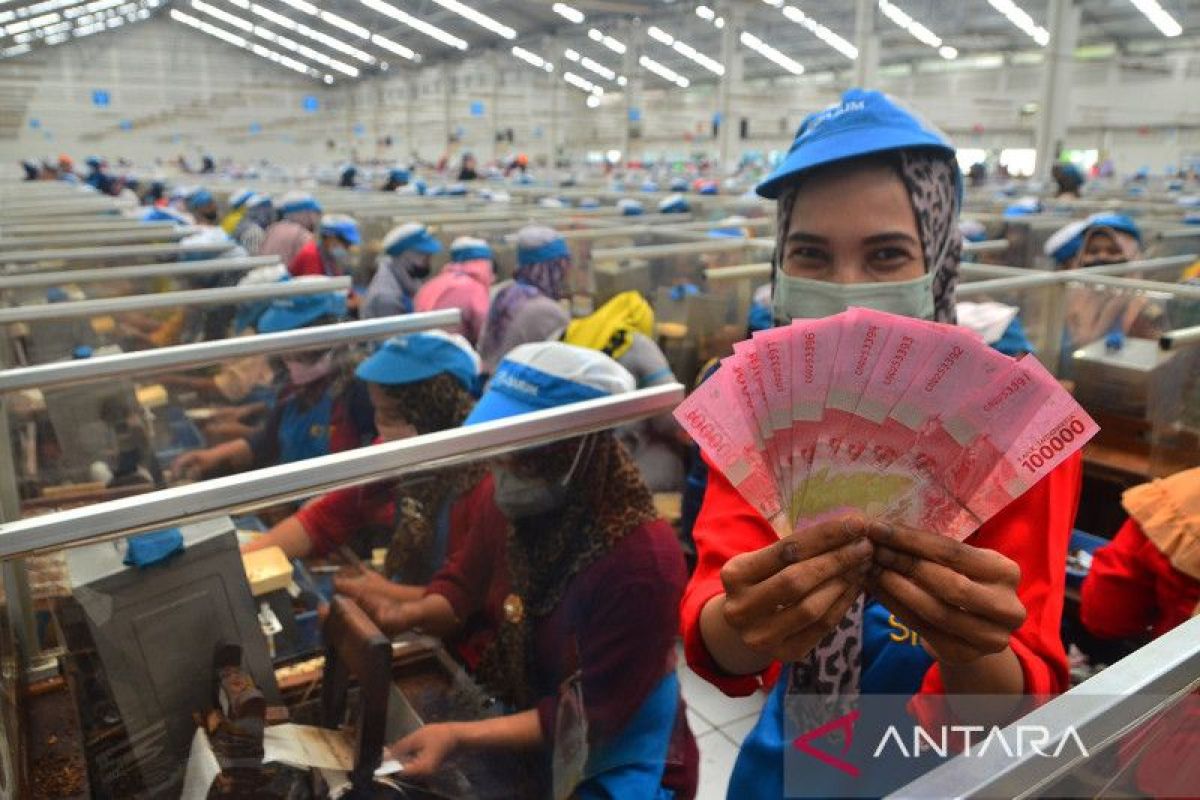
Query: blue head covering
[[420, 356]]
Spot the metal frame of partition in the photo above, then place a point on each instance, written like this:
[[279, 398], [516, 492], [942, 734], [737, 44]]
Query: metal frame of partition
[[107, 253], [99, 238], [302, 479], [188, 297], [171, 269], [1099, 710], [1181, 337], [101, 224], [165, 359]]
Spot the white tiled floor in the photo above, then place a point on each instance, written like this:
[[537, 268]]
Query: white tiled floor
[[720, 723]]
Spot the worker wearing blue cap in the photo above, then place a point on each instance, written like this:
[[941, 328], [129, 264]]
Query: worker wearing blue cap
[[403, 266], [420, 383], [321, 409], [397, 178], [867, 207], [201, 205], [329, 253], [1104, 238], [529, 309], [576, 564]]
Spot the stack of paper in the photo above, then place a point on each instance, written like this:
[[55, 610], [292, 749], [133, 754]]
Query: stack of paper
[[910, 422]]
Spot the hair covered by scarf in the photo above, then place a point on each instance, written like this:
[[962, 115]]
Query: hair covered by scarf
[[931, 180], [543, 277], [432, 405], [607, 501]]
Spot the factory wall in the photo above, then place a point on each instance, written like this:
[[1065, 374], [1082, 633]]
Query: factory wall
[[182, 93]]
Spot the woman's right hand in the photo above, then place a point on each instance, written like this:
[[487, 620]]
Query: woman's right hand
[[360, 583], [783, 599]]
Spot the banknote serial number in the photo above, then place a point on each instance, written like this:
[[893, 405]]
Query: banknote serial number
[[1053, 445]]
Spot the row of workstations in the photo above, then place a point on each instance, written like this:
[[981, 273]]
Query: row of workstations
[[90, 648]]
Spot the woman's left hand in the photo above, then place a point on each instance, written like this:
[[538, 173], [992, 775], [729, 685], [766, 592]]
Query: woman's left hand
[[424, 750], [961, 600]]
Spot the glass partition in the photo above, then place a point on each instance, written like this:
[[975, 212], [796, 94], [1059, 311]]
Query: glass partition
[[150, 692], [52, 331], [86, 431]]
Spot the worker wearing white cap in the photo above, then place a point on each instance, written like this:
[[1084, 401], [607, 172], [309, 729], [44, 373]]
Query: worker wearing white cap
[[403, 266], [579, 566], [299, 215]]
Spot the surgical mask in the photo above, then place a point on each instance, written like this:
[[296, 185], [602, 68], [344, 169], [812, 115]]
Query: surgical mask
[[805, 298], [420, 271], [1102, 261], [340, 255], [302, 373], [518, 497]]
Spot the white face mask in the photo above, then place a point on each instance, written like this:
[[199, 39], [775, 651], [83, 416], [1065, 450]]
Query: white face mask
[[805, 298], [301, 373]]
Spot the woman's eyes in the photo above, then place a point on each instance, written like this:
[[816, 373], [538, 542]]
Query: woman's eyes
[[890, 256]]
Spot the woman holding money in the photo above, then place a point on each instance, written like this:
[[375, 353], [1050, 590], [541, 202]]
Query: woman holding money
[[868, 199]]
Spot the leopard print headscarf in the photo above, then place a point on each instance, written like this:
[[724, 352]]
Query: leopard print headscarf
[[832, 671], [608, 501], [931, 179], [436, 404]]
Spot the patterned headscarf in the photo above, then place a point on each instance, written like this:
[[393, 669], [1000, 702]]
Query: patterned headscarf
[[932, 184], [832, 671], [546, 278], [608, 501], [437, 404]]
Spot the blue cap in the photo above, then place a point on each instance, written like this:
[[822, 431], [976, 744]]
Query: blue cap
[[727, 233], [630, 207], [239, 198], [410, 236], [1191, 218], [1064, 243], [399, 175], [555, 248], [708, 187], [863, 123], [341, 226], [420, 356], [94, 161], [679, 185], [81, 352], [542, 375], [649, 186], [56, 294], [199, 199], [290, 313], [675, 204], [589, 202], [298, 201], [1025, 207], [466, 248], [164, 214]]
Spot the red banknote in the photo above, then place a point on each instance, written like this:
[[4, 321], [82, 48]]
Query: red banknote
[[908, 421]]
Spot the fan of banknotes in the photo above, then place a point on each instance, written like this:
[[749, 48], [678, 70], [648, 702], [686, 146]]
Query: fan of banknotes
[[910, 422]]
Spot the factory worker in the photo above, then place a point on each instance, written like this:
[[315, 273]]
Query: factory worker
[[1147, 581], [1068, 178], [867, 203], [675, 204], [528, 310], [403, 266], [630, 207], [1101, 240], [299, 215], [321, 409], [463, 284], [328, 254], [419, 383], [97, 177], [621, 329], [349, 177], [237, 210], [397, 179], [201, 205], [251, 229], [581, 581]]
